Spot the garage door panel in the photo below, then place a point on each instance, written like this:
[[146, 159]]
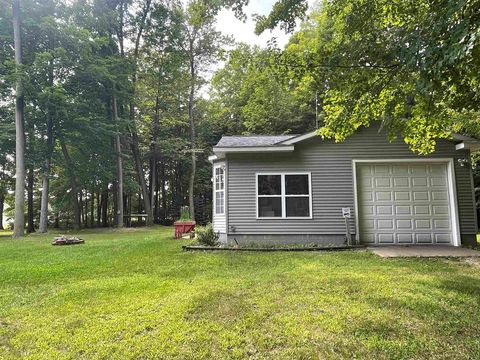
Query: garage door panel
[[405, 238], [383, 182], [385, 238], [420, 196], [402, 196], [383, 195], [399, 169], [419, 182], [401, 182], [440, 210], [423, 224], [386, 224], [404, 224], [403, 210], [381, 169], [441, 224], [404, 203], [384, 210], [423, 238], [443, 238], [421, 210]]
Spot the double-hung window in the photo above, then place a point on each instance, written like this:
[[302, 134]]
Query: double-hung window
[[219, 190], [284, 195]]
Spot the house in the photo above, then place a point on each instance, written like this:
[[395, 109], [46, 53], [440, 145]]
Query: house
[[293, 188]]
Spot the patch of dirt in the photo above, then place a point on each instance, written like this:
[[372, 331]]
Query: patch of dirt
[[472, 261]]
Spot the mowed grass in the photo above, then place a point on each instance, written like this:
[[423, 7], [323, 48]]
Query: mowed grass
[[134, 294]]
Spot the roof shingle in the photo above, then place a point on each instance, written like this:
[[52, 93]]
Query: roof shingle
[[252, 140]]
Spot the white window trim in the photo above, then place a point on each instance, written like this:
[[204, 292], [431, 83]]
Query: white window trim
[[220, 166], [284, 196]]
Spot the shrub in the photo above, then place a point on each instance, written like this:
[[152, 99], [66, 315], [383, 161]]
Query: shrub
[[184, 213], [206, 235]]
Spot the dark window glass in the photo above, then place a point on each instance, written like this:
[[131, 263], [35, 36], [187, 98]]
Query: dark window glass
[[269, 185], [269, 207], [296, 185], [298, 206]]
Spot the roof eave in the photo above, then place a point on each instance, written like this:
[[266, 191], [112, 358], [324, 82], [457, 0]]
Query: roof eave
[[221, 151]]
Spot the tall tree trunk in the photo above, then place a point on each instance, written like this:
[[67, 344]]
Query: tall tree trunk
[[92, 210], [135, 143], [43, 226], [2, 207], [164, 195], [19, 220], [99, 209], [30, 215], [105, 207], [191, 98], [141, 177], [153, 148], [80, 205], [73, 184], [118, 150]]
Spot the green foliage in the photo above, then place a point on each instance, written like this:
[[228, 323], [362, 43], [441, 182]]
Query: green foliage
[[249, 95], [283, 13], [184, 214], [411, 65], [205, 235]]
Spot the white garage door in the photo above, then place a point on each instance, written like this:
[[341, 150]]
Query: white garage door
[[403, 204]]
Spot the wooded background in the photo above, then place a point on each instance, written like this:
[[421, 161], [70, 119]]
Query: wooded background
[[117, 108]]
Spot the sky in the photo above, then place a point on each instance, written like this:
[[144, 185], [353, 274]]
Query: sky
[[228, 24]]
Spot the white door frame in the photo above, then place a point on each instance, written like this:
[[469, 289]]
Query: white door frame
[[452, 190]]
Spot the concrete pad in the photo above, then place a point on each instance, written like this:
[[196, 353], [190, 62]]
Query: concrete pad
[[423, 251]]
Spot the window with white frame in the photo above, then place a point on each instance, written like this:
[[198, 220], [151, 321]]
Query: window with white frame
[[284, 195], [219, 190]]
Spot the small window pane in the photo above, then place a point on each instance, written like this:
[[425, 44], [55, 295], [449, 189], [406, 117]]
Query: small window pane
[[296, 185], [219, 202], [269, 207], [269, 185], [298, 206], [219, 179]]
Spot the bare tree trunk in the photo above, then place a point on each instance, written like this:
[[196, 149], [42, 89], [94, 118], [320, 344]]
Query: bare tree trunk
[[2, 206], [135, 143], [30, 215], [43, 226], [105, 208], [191, 98], [118, 149], [99, 209], [73, 184], [164, 195], [92, 210], [19, 220], [141, 177], [153, 168]]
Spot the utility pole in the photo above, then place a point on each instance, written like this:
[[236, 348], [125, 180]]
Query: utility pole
[[316, 109]]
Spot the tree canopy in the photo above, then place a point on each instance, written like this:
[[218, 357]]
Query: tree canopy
[[121, 109]]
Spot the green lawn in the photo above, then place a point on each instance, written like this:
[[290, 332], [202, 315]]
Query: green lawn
[[135, 294]]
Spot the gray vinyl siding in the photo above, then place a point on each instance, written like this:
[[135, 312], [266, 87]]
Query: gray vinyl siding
[[330, 164]]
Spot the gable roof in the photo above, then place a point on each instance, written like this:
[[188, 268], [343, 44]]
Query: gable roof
[[252, 140], [286, 143]]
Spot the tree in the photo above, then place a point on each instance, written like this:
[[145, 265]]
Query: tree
[[411, 65], [203, 45], [19, 223]]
